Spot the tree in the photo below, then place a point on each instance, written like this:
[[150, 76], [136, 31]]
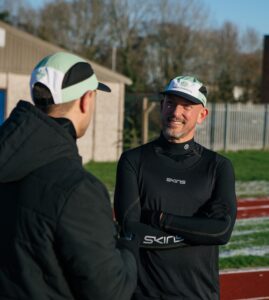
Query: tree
[[9, 10], [128, 31], [4, 16], [250, 66], [174, 40], [223, 75], [76, 25]]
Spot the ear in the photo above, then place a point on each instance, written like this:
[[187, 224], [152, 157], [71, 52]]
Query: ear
[[84, 101], [202, 115]]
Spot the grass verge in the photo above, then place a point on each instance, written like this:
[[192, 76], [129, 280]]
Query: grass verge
[[250, 164], [249, 245], [105, 171], [243, 261]]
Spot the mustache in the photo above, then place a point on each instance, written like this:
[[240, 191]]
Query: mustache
[[173, 119]]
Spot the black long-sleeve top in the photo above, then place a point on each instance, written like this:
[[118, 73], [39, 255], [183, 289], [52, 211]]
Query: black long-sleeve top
[[195, 189]]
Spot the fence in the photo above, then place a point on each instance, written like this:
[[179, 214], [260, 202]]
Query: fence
[[229, 126], [235, 127]]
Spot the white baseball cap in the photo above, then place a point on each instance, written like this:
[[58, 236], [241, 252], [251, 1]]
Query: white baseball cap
[[187, 87], [67, 76]]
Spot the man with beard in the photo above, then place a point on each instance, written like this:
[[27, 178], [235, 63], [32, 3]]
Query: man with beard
[[182, 197]]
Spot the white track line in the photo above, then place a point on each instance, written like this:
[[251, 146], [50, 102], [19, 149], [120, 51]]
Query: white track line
[[256, 270], [259, 298], [253, 207]]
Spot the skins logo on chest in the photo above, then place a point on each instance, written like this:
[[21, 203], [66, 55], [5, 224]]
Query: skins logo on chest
[[174, 180]]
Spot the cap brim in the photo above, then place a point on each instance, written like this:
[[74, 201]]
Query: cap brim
[[103, 87], [183, 95]]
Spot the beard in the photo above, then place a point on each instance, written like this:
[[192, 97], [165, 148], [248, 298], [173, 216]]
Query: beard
[[171, 133], [176, 133]]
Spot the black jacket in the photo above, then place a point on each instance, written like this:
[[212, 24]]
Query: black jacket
[[56, 228]]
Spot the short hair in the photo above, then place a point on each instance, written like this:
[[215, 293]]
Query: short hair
[[43, 100]]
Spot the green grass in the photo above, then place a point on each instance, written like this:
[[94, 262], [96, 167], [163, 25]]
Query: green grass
[[249, 237], [250, 164], [105, 171], [249, 240], [239, 261]]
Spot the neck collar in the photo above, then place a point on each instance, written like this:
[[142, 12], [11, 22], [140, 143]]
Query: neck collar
[[180, 148], [67, 125]]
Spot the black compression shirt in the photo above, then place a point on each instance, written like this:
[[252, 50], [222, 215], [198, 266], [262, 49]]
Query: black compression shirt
[[195, 189]]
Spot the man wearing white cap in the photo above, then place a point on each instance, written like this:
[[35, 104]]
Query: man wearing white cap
[[56, 228], [183, 191]]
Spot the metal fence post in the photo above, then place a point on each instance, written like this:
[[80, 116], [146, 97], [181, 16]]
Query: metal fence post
[[225, 130], [213, 124], [265, 125]]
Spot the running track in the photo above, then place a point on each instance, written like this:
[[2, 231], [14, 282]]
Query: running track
[[244, 284], [252, 208], [251, 284]]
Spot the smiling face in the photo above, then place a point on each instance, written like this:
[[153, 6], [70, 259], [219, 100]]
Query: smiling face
[[179, 118]]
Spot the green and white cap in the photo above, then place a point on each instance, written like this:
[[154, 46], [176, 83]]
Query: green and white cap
[[67, 76], [187, 87]]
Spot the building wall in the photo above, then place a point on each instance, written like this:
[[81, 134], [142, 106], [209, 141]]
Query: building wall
[[20, 52], [103, 139], [108, 124]]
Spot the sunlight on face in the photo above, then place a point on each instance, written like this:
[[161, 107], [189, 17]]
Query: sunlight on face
[[179, 118]]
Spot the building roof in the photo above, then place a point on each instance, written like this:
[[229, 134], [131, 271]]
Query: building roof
[[21, 52]]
